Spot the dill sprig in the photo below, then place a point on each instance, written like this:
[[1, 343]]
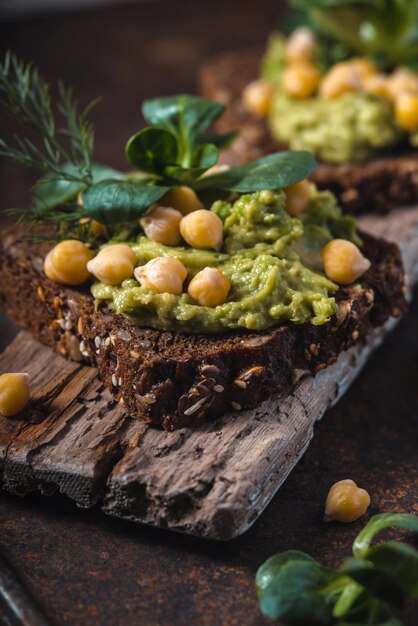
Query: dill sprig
[[65, 146], [25, 96]]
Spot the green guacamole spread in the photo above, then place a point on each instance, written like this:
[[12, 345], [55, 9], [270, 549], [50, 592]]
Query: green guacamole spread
[[271, 259], [353, 127]]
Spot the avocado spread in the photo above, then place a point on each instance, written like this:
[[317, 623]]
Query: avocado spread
[[272, 260], [353, 127], [350, 128]]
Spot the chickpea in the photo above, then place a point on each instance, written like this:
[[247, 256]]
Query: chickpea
[[163, 275], [343, 261], [209, 287], [365, 68], [300, 80], [340, 79], [183, 199], [96, 228], [257, 97], [402, 80], [202, 229], [346, 502], [113, 264], [379, 85], [67, 262], [14, 393], [162, 224], [406, 111], [297, 197], [300, 46]]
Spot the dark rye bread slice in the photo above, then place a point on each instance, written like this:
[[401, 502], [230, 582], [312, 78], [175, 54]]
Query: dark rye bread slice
[[378, 185], [174, 379]]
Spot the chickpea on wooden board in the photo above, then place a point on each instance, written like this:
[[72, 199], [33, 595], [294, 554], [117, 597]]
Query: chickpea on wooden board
[[14, 393]]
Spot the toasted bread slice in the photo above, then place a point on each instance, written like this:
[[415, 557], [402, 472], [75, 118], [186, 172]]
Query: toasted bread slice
[[176, 379], [379, 184]]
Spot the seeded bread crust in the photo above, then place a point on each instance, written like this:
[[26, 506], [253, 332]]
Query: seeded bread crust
[[377, 185], [175, 379]]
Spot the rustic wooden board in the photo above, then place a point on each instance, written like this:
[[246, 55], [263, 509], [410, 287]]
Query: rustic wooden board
[[213, 481]]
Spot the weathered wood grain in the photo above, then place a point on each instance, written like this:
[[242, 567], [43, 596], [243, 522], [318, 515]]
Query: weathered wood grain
[[213, 481]]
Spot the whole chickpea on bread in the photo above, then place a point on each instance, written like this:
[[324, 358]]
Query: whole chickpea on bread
[[343, 84], [194, 289]]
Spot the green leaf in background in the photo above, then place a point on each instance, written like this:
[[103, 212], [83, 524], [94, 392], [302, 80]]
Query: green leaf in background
[[295, 596], [53, 191], [270, 568], [384, 29], [378, 523], [378, 582], [116, 201], [151, 150], [401, 561], [271, 172]]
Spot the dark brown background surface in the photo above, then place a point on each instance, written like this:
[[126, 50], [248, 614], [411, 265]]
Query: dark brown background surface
[[86, 569]]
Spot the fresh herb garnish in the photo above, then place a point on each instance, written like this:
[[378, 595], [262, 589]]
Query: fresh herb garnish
[[386, 30], [367, 589], [176, 149]]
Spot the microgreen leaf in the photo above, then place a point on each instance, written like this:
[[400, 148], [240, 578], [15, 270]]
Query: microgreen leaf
[[271, 172], [295, 597], [205, 156], [221, 140], [298, 591], [378, 523], [270, 568], [401, 561], [114, 201], [378, 582], [53, 191], [187, 117], [152, 149]]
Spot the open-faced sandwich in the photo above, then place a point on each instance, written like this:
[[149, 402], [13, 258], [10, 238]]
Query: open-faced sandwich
[[193, 289], [343, 84]]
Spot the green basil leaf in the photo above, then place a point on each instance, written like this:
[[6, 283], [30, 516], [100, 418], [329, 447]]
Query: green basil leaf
[[113, 201], [268, 570], [152, 149], [380, 522], [295, 595], [401, 561], [271, 172], [52, 191], [185, 116], [378, 582]]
